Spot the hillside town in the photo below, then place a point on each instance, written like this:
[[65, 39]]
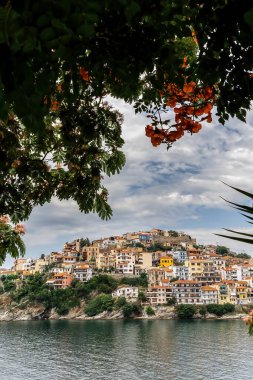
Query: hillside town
[[177, 268]]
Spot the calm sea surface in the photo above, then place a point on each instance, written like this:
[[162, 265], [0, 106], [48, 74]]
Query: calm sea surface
[[125, 350]]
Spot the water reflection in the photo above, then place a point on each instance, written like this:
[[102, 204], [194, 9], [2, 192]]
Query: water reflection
[[123, 350]]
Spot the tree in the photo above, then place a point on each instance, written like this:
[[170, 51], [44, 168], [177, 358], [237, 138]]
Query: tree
[[10, 239], [120, 302], [150, 311], [99, 304], [222, 250], [185, 311], [131, 309], [173, 233], [58, 134], [84, 242], [157, 247], [243, 255], [142, 297], [220, 309]]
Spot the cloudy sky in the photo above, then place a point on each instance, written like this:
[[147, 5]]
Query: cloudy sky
[[178, 189]]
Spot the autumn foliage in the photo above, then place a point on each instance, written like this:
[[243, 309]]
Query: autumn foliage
[[84, 74], [191, 104]]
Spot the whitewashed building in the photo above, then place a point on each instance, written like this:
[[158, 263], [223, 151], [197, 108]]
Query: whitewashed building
[[129, 292]]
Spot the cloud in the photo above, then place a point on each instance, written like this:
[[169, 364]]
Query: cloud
[[176, 189], [207, 236]]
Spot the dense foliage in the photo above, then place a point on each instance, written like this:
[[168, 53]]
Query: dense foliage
[[131, 309], [120, 302], [150, 311], [95, 292], [158, 247], [142, 280], [220, 309], [102, 302], [224, 251], [186, 311]]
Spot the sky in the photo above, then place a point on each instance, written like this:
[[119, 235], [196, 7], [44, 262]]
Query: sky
[[178, 189]]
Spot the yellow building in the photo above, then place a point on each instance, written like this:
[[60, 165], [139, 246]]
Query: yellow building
[[242, 294], [166, 261], [199, 266], [224, 293], [90, 253], [196, 266], [40, 265], [106, 260]]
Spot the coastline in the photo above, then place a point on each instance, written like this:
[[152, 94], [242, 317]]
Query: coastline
[[10, 311]]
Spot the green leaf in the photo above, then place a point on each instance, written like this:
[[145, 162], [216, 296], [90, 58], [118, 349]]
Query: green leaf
[[240, 233], [48, 34], [245, 209], [248, 17], [249, 241], [250, 195]]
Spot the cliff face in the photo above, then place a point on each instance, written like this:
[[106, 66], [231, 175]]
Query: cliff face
[[11, 311]]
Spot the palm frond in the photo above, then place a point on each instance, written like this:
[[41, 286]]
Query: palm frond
[[247, 216], [250, 195], [239, 207], [246, 210], [249, 241], [237, 232]]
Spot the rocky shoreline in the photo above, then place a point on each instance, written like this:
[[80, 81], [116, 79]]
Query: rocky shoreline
[[10, 311]]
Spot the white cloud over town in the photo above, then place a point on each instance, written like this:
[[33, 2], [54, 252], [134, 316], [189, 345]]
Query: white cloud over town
[[178, 189]]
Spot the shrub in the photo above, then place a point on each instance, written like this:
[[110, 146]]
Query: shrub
[[220, 310], [99, 304], [83, 290], [215, 309], [43, 295], [136, 281], [9, 277], [171, 301], [62, 309], [142, 297], [202, 310], [127, 310], [9, 285], [99, 282], [228, 307], [186, 311], [131, 309], [104, 288], [120, 302], [150, 311], [1, 290]]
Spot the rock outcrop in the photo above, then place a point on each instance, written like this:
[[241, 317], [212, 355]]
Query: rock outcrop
[[11, 311]]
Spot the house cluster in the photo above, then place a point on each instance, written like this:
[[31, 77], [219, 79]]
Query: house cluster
[[181, 270], [201, 276]]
